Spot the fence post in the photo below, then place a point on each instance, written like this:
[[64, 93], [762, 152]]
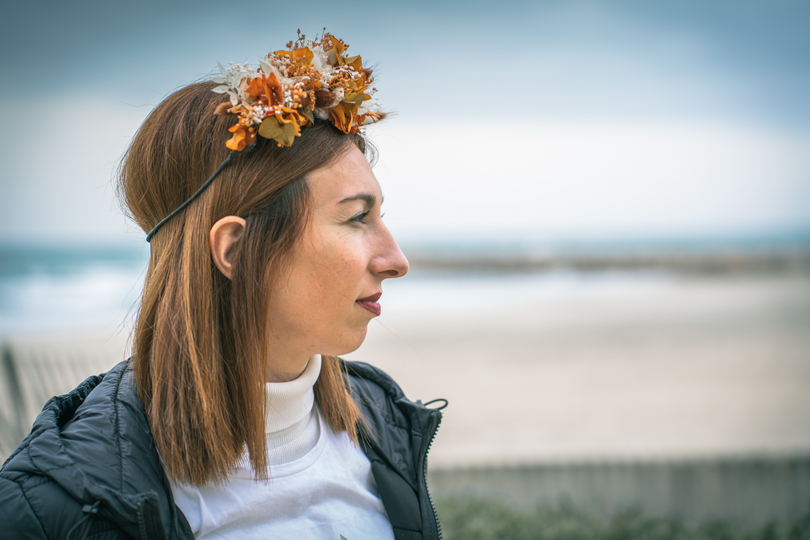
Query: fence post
[[9, 368]]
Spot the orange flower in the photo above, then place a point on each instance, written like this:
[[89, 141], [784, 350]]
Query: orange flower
[[337, 50], [266, 89], [337, 44], [318, 76], [343, 116], [370, 116], [242, 137], [355, 62], [356, 96], [283, 128], [301, 55], [353, 88]]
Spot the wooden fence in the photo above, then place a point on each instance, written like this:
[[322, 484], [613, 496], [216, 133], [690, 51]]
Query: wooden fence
[[32, 370]]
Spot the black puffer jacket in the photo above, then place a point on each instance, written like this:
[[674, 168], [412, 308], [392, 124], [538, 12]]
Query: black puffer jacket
[[89, 464]]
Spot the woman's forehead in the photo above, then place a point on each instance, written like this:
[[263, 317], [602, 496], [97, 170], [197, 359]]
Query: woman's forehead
[[349, 177]]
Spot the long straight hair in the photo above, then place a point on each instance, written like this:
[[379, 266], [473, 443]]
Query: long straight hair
[[200, 341]]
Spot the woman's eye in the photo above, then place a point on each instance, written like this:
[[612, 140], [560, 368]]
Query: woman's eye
[[360, 218]]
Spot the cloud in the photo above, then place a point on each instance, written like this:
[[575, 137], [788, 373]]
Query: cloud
[[663, 116], [594, 179]]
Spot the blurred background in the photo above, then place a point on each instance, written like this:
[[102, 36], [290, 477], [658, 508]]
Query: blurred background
[[605, 205]]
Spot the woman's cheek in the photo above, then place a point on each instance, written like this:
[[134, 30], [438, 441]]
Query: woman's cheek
[[351, 253]]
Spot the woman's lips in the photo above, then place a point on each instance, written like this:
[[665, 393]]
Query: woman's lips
[[370, 303]]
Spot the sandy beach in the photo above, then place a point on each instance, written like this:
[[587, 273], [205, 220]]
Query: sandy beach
[[541, 369], [682, 367]]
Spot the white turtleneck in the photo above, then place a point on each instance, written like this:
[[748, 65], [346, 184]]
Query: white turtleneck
[[291, 425], [320, 483]]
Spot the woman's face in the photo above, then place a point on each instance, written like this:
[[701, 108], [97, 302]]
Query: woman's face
[[332, 290]]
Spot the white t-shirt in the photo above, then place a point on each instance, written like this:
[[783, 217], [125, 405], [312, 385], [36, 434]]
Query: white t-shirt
[[326, 491]]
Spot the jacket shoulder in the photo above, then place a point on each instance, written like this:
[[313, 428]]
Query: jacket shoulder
[[89, 446], [33, 501]]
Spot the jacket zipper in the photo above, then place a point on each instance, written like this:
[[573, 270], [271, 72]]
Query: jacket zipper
[[141, 523], [424, 474]]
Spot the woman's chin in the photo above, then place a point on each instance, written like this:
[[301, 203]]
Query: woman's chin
[[352, 342]]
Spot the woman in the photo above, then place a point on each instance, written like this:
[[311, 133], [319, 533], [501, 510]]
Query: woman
[[234, 418]]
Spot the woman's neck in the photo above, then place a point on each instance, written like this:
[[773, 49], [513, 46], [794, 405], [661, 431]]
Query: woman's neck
[[285, 367]]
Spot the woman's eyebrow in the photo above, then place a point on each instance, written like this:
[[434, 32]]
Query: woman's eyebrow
[[369, 199]]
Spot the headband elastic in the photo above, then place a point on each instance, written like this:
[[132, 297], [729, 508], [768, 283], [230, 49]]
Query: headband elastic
[[199, 191]]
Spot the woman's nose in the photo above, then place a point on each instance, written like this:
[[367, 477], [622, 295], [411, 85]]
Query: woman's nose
[[390, 261]]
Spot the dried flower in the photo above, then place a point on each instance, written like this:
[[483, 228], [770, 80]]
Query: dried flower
[[292, 87]]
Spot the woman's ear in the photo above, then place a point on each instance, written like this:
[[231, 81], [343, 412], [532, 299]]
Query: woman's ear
[[223, 236]]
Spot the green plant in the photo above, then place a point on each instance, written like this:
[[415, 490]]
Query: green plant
[[470, 517]]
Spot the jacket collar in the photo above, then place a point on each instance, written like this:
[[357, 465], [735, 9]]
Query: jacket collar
[[399, 430]]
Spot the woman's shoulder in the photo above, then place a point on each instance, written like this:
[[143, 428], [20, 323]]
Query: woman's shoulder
[[94, 393], [92, 444]]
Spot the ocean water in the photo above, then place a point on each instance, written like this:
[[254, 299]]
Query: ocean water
[[57, 289], [46, 289]]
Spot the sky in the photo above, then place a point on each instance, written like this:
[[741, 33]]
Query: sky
[[533, 120]]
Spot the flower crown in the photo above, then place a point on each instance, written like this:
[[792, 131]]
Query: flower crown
[[293, 87]]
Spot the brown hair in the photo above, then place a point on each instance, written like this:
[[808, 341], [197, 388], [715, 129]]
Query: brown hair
[[199, 347]]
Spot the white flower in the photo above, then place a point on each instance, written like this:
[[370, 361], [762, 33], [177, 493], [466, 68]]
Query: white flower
[[369, 105], [319, 58], [257, 114], [269, 68], [233, 80], [225, 89], [234, 74]]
